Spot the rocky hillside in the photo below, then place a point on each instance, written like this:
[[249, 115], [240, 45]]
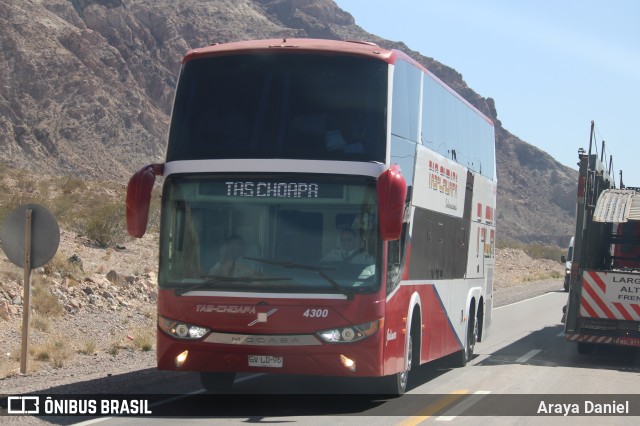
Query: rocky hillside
[[86, 89]]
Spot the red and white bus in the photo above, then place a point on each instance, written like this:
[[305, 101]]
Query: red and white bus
[[328, 208]]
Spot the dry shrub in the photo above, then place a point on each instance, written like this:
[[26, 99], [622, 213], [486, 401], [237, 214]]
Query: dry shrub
[[12, 274], [72, 184], [114, 348], [143, 339], [88, 347], [106, 226], [547, 275], [54, 351], [61, 264], [45, 303], [149, 312], [40, 322]]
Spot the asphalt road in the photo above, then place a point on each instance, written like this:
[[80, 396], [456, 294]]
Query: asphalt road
[[517, 376]]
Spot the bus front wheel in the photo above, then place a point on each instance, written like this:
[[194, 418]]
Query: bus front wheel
[[396, 384]]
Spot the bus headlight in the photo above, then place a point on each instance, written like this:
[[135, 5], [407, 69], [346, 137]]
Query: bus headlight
[[181, 330], [351, 333]]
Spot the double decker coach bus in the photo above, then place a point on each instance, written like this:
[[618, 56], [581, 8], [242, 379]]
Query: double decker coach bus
[[328, 208]]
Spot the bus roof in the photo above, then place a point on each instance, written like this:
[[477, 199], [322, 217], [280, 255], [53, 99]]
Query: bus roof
[[298, 44]]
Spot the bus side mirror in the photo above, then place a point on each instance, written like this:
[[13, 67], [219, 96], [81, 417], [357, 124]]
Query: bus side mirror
[[392, 194], [139, 198]]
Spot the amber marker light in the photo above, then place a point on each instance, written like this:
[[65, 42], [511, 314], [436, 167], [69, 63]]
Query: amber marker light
[[181, 358], [348, 363]]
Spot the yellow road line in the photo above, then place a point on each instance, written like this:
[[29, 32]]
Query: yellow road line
[[431, 409]]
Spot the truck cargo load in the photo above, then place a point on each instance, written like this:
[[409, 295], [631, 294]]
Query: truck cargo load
[[603, 306]]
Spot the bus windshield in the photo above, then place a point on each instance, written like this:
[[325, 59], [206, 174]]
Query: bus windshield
[[257, 233], [280, 105]]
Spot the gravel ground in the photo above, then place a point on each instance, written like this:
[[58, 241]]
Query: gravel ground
[[507, 295]]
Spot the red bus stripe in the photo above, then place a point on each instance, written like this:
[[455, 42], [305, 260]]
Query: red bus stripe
[[623, 311], [636, 308], [597, 299]]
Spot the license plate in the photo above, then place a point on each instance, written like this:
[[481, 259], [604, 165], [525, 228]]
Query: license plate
[[265, 361], [628, 341]]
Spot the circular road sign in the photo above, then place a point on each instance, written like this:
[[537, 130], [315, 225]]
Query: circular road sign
[[45, 235]]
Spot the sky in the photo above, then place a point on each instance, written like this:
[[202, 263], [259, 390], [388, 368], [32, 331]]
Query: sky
[[552, 66]]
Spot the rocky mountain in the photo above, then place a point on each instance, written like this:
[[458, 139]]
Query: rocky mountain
[[86, 88]]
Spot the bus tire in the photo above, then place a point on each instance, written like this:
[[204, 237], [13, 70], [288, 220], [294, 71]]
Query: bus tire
[[396, 384], [466, 354], [217, 382]]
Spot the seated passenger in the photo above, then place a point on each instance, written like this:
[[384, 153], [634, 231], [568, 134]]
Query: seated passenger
[[349, 251], [312, 131], [344, 133], [232, 262]]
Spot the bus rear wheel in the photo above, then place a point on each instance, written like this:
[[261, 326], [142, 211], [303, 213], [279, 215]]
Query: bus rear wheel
[[470, 342], [217, 382]]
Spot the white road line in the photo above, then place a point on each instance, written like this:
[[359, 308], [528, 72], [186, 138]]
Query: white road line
[[522, 301], [561, 334], [464, 405], [253, 376], [526, 357], [92, 421]]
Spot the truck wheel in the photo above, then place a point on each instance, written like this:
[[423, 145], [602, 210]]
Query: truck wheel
[[585, 348], [217, 382]]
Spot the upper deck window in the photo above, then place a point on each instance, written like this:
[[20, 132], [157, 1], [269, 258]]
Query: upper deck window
[[280, 105]]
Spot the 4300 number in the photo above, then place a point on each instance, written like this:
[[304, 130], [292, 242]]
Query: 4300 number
[[316, 313]]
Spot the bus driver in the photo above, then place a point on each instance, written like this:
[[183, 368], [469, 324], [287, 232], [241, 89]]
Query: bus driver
[[349, 251], [232, 262]]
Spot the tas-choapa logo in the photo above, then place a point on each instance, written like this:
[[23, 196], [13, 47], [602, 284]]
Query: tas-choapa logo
[[226, 309]]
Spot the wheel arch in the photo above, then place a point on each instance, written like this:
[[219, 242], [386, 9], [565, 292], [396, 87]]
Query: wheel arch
[[414, 324]]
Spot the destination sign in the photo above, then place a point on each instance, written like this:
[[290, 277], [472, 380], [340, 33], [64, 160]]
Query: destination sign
[[271, 189]]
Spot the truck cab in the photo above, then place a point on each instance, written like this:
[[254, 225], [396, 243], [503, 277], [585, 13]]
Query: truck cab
[[567, 260]]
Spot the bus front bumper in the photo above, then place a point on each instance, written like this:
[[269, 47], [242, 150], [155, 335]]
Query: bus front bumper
[[360, 359]]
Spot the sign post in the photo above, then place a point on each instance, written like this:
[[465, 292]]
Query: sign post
[[26, 300], [30, 237]]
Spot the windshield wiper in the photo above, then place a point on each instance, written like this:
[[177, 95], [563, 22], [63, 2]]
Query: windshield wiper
[[212, 280], [320, 270]]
